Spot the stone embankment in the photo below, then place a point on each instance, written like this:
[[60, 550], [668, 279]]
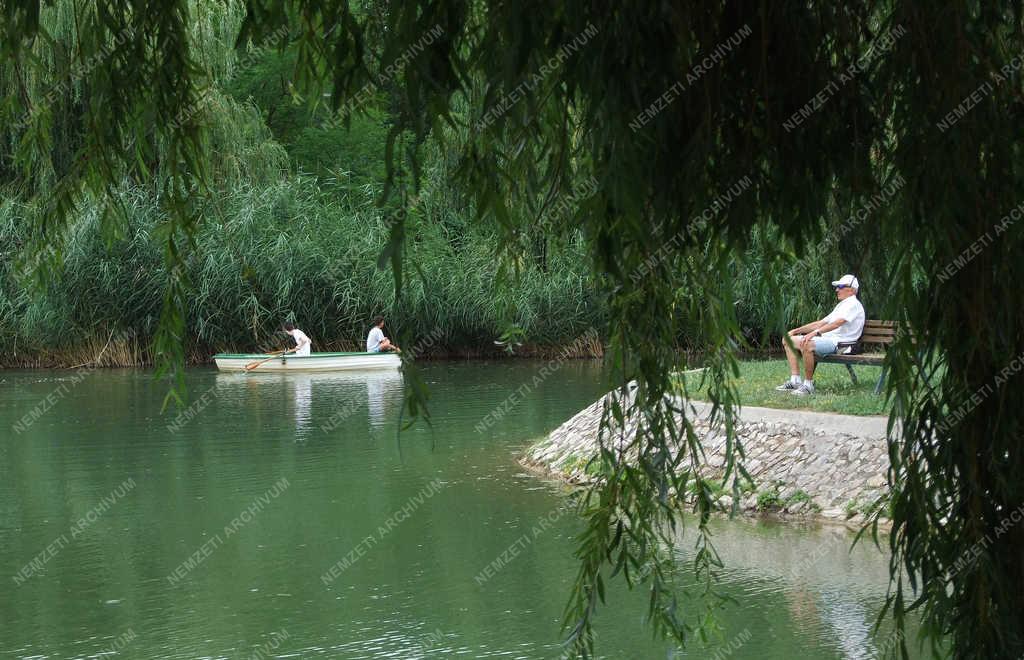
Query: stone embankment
[[803, 463]]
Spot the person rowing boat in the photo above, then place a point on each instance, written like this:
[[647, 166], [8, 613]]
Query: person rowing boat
[[302, 341]]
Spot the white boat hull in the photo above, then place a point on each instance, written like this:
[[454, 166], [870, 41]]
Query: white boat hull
[[313, 362]]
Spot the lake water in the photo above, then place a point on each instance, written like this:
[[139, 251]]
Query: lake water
[[284, 516]]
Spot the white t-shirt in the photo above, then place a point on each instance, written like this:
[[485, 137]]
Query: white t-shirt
[[302, 342], [851, 310], [374, 339]]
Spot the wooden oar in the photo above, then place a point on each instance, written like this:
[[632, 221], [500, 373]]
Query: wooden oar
[[253, 365]]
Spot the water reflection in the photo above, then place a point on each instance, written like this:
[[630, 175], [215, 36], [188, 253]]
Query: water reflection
[[332, 398], [830, 590], [383, 397], [850, 622], [302, 392]]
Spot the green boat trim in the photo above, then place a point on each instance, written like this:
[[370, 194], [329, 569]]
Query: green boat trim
[[261, 356]]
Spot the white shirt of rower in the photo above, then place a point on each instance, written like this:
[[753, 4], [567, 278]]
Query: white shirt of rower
[[302, 342], [374, 339]]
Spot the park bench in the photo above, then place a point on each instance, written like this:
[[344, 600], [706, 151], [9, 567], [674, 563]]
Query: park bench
[[877, 335]]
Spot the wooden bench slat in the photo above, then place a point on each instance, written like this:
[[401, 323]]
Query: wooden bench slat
[[874, 359], [882, 332]]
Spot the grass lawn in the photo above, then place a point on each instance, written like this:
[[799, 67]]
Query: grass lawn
[[834, 392]]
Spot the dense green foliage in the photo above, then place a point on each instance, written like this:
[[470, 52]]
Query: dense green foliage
[[353, 155], [818, 105], [294, 249], [297, 248], [286, 251], [290, 230]]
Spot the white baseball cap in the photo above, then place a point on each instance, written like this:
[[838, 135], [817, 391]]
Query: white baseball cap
[[847, 280]]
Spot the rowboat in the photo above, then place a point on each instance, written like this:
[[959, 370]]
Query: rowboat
[[311, 362]]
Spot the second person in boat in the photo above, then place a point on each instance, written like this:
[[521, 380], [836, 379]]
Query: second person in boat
[[376, 342]]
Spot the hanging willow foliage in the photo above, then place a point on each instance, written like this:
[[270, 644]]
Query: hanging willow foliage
[[669, 106]]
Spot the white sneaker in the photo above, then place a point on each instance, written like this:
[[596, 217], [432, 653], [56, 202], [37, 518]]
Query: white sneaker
[[788, 386], [805, 389]]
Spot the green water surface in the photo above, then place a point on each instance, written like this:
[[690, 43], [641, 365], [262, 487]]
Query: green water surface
[[283, 516]]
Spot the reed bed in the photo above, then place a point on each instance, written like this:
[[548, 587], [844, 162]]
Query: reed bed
[[295, 249], [283, 252]]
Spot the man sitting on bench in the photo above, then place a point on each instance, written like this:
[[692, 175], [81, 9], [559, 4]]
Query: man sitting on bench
[[843, 325]]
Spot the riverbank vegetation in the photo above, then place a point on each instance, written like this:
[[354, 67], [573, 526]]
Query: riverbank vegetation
[[286, 250], [291, 229]]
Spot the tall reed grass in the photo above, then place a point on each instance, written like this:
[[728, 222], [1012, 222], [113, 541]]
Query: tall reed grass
[[296, 249], [285, 251]]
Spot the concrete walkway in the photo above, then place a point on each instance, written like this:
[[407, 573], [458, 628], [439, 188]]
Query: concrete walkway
[[831, 423]]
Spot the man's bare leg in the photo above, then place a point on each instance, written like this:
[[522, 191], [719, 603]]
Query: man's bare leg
[[808, 352], [791, 356]]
